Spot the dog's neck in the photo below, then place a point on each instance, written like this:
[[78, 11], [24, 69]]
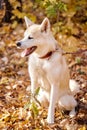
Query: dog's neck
[[46, 55], [49, 54]]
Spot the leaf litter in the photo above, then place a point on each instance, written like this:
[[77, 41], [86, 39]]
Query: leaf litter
[[17, 112]]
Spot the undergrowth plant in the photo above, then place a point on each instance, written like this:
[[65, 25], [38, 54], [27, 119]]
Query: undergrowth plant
[[33, 104]]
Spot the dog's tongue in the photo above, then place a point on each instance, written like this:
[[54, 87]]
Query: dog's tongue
[[25, 53], [28, 51]]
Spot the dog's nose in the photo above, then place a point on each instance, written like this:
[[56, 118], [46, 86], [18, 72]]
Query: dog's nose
[[18, 43]]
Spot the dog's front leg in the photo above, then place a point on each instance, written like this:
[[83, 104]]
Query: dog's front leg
[[53, 100], [34, 85]]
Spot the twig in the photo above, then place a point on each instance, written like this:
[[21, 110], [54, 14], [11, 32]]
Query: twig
[[74, 53]]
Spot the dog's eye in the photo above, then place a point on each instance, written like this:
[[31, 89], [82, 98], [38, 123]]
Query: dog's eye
[[30, 37]]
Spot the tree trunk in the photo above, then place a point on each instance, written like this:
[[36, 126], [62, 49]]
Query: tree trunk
[[2, 10], [8, 11]]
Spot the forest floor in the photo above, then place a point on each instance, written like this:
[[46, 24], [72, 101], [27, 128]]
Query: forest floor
[[14, 82]]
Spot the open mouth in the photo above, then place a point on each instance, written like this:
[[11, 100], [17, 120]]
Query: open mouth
[[28, 51]]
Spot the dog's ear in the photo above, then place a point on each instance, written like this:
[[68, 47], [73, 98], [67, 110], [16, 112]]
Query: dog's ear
[[45, 25], [28, 21]]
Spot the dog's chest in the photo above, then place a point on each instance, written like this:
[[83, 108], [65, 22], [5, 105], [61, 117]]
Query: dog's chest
[[44, 67], [36, 64], [37, 70]]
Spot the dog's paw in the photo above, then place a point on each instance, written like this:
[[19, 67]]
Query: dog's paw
[[72, 113], [50, 120]]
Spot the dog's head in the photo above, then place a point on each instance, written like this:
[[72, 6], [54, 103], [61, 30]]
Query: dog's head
[[37, 38]]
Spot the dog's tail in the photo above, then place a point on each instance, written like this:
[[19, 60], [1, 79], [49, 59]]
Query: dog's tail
[[74, 86]]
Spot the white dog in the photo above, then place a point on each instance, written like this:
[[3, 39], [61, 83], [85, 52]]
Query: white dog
[[47, 68]]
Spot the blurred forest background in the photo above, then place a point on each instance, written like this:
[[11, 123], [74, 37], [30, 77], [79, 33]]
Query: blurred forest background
[[69, 26]]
